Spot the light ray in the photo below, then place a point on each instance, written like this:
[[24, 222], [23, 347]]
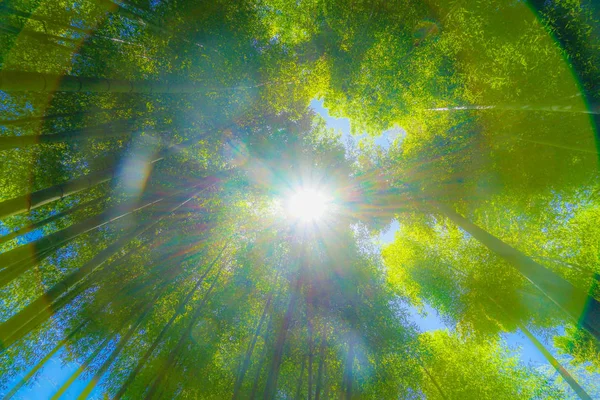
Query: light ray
[[308, 205]]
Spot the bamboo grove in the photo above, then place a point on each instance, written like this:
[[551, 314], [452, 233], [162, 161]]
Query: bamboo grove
[[146, 147]]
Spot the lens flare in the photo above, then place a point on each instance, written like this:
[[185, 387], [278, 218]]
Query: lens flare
[[307, 205]]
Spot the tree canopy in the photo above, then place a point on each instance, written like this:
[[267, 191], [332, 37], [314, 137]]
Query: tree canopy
[[176, 220]]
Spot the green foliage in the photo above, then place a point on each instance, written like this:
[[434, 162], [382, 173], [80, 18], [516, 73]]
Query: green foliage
[[148, 150], [470, 369], [581, 345]]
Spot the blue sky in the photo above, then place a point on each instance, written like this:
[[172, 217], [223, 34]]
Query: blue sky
[[50, 378], [429, 318], [343, 125], [55, 372]]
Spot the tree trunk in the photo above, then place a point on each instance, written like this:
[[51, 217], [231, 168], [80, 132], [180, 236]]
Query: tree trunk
[[44, 20], [67, 298], [310, 351], [91, 358], [124, 12], [433, 380], [15, 260], [42, 362], [8, 336], [45, 302], [326, 385], [54, 40], [142, 7], [567, 264], [577, 304], [263, 357], [549, 357], [524, 107], [122, 342], [23, 121], [246, 363], [299, 384], [31, 201], [563, 372], [104, 131], [41, 37], [113, 7], [178, 311], [271, 385], [554, 362], [82, 368], [163, 371], [348, 371], [38, 224], [19, 81], [321, 363]]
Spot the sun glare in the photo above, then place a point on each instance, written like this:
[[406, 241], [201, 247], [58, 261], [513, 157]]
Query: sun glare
[[307, 205]]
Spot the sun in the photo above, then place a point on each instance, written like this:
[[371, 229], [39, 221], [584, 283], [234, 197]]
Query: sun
[[307, 205]]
